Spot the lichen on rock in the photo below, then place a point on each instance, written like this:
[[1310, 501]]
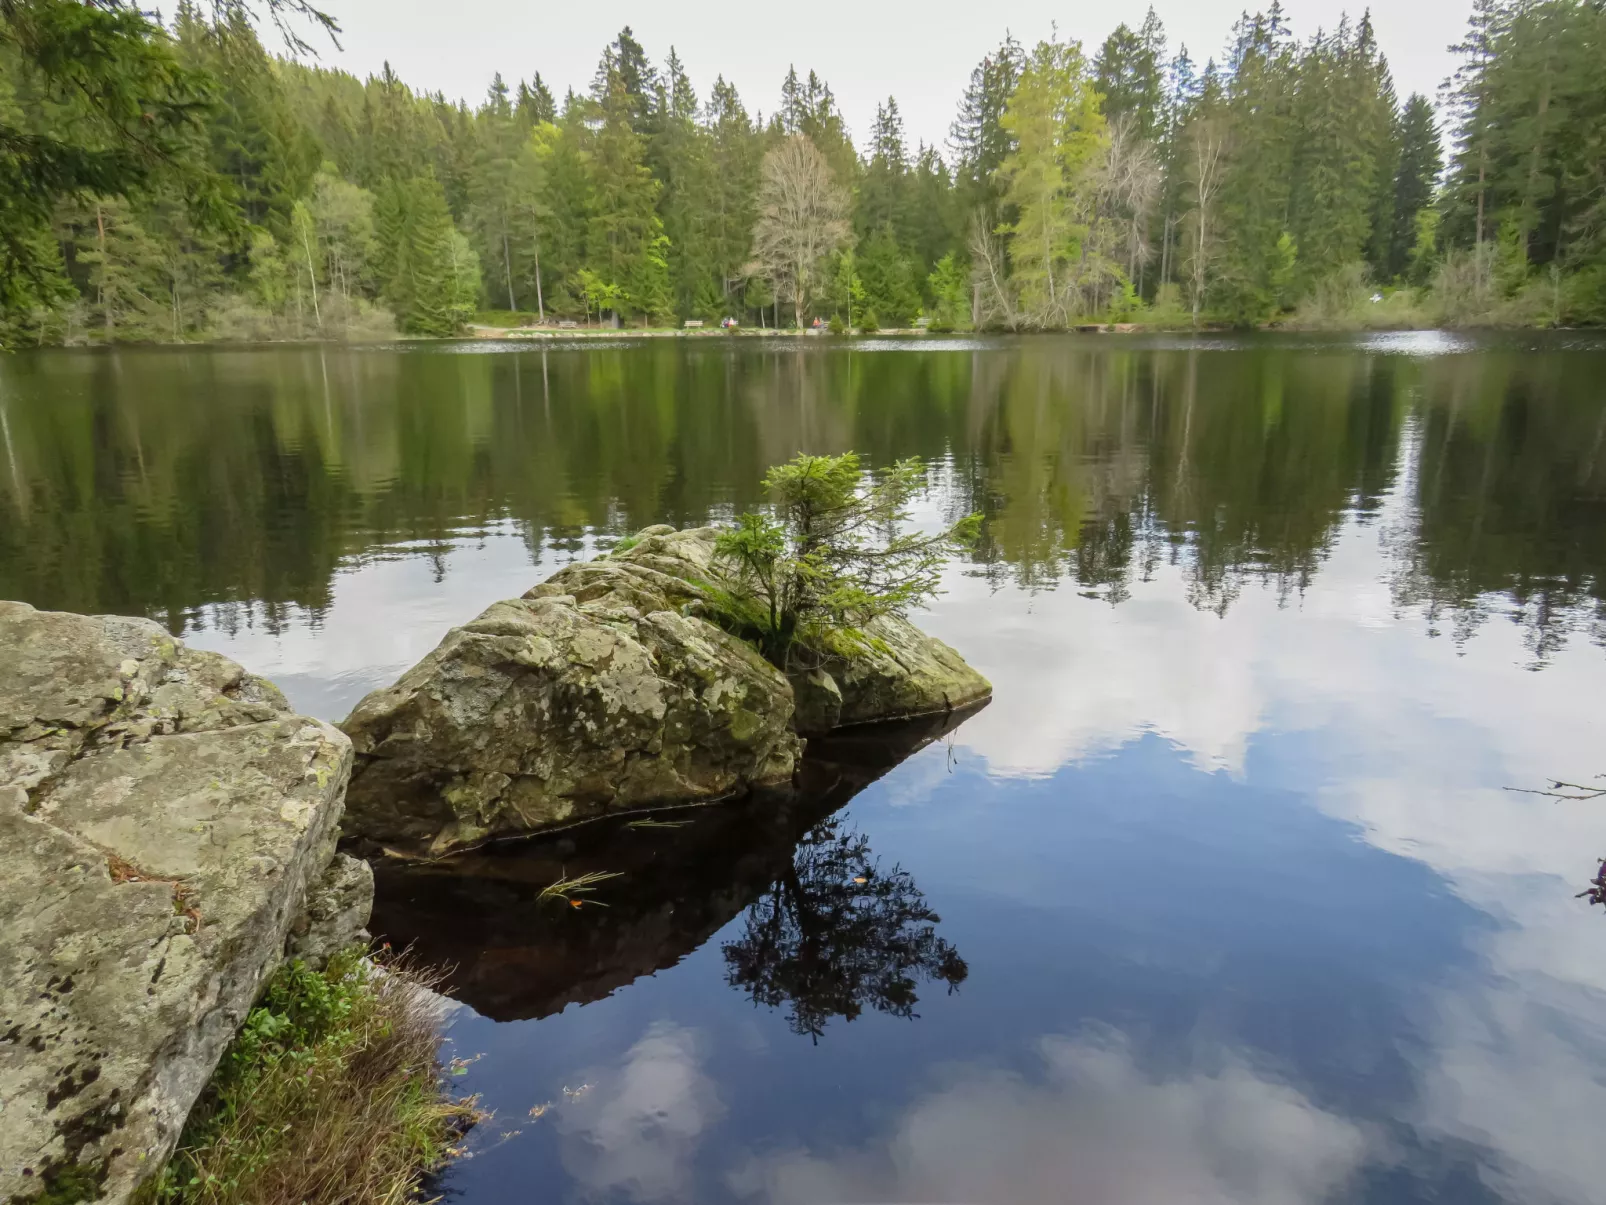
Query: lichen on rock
[[161, 814]]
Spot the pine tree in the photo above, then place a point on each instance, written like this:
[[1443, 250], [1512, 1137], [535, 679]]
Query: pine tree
[[979, 138], [948, 288], [1258, 96], [679, 154], [432, 272], [493, 190], [535, 105], [1127, 72], [126, 275], [1415, 178], [734, 156], [891, 288], [625, 69], [111, 109], [622, 226], [884, 190]]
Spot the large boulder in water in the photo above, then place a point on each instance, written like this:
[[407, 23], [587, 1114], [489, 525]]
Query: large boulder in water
[[605, 689], [162, 814], [593, 693]]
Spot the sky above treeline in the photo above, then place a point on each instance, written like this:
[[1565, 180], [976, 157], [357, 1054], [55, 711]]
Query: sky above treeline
[[921, 53]]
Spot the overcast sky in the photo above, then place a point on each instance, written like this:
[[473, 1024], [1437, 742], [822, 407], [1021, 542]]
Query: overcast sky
[[922, 53]]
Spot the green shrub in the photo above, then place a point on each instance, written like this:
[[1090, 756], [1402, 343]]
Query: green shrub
[[801, 586]]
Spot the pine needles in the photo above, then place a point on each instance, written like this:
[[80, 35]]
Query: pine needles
[[570, 890]]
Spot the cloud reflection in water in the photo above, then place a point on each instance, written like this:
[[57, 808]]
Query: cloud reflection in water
[[634, 1133], [1094, 1128]]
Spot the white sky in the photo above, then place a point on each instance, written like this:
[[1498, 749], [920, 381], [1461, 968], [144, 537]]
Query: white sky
[[921, 53]]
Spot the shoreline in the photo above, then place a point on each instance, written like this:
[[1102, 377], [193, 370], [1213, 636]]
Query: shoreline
[[537, 335]]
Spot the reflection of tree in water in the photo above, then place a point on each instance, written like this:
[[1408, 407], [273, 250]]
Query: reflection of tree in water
[[836, 933]]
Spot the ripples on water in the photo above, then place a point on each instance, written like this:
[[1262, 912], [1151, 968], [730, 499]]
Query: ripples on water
[[1223, 898]]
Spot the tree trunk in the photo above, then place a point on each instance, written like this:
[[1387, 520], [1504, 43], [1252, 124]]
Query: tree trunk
[[312, 276], [1483, 160], [540, 302], [100, 289], [507, 265], [1533, 162]]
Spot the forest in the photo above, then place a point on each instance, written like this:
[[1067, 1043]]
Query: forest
[[214, 179]]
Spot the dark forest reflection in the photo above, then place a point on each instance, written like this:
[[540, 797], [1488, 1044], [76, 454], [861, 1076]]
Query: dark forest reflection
[[163, 482], [829, 931]]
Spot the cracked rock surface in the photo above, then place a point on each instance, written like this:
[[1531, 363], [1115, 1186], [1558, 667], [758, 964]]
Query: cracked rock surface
[[162, 813]]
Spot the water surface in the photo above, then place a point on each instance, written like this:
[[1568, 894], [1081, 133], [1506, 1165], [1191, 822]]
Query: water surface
[[1222, 899]]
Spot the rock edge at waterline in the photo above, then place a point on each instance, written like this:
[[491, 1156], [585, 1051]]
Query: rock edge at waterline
[[162, 816], [602, 690]]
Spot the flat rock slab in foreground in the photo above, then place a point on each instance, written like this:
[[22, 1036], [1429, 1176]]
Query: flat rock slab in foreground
[[161, 815]]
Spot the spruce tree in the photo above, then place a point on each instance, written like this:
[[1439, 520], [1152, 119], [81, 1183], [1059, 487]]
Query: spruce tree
[[1415, 178], [1128, 73], [1258, 97], [734, 157], [884, 191], [891, 289], [535, 105], [622, 226], [978, 136], [626, 69]]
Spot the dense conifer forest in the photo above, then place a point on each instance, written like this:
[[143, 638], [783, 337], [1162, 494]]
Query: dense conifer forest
[[217, 179]]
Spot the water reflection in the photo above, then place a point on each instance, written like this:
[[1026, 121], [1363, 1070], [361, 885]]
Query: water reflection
[[1232, 844], [837, 933], [164, 481], [636, 1130], [829, 931]]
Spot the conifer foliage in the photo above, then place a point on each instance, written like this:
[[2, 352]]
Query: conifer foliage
[[181, 182]]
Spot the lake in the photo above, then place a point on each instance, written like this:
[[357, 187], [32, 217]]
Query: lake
[[1226, 896]]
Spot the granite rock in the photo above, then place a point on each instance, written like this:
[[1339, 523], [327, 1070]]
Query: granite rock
[[162, 813]]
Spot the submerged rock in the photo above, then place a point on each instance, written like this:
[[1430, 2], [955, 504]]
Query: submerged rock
[[605, 689], [592, 693], [161, 815]]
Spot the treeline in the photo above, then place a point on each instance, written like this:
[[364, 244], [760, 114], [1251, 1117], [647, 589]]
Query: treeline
[[1284, 181]]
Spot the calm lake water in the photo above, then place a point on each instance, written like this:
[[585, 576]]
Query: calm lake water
[[1224, 897]]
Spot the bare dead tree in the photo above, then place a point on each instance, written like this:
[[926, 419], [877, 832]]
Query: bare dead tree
[[1131, 179], [994, 301], [802, 218], [1207, 155]]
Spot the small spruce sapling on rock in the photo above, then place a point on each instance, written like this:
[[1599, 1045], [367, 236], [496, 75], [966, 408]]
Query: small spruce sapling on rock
[[802, 584]]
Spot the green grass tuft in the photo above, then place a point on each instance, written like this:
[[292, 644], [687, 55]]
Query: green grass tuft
[[331, 1092]]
